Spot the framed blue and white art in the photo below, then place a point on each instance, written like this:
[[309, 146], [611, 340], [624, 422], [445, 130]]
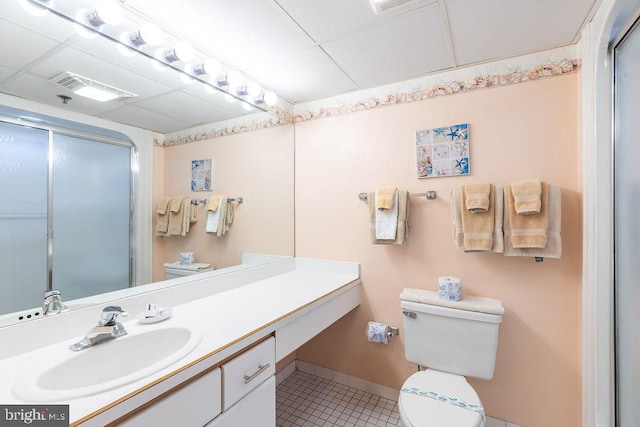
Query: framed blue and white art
[[443, 151], [201, 175]]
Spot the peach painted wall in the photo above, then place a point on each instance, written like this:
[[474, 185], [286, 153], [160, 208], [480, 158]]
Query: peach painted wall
[[516, 132], [255, 165]]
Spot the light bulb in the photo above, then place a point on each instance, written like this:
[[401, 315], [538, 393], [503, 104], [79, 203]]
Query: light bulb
[[81, 29], [270, 98], [207, 67], [246, 106], [105, 12], [234, 79], [181, 52], [253, 89], [229, 98], [147, 34]]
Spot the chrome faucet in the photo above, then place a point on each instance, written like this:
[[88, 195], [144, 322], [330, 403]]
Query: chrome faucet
[[53, 303], [107, 329]]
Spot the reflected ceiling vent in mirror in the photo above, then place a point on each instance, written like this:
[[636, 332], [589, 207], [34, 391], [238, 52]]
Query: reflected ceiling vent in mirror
[[89, 88], [387, 7]]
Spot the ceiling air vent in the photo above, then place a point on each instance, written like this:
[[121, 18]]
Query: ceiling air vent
[[384, 7], [85, 86]]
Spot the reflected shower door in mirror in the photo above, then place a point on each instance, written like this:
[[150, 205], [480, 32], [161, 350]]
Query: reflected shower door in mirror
[[65, 215]]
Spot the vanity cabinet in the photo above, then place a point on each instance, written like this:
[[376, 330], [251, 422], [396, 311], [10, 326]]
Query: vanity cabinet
[[241, 392]]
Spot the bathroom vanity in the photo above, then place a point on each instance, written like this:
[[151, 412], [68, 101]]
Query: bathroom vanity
[[212, 363]]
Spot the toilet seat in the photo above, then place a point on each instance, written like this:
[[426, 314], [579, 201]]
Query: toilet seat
[[419, 410]]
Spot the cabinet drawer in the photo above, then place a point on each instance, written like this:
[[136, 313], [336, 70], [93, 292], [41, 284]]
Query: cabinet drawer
[[195, 404], [246, 371]]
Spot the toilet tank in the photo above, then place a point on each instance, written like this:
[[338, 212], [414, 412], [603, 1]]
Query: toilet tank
[[451, 340]]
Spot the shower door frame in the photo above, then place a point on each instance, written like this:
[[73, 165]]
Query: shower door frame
[[133, 183]]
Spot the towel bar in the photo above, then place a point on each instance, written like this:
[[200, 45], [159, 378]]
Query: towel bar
[[204, 201], [429, 195]]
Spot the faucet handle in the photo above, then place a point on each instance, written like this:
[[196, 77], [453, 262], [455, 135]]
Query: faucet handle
[[110, 314]]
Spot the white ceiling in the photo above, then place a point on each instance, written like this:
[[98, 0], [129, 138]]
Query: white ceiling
[[302, 50]]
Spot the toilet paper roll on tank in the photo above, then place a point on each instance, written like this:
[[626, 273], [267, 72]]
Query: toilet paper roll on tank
[[449, 288]]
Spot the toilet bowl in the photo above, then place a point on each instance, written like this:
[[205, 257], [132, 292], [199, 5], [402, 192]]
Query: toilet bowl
[[455, 403], [451, 339]]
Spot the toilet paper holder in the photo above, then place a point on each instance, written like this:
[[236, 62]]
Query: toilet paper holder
[[393, 330]]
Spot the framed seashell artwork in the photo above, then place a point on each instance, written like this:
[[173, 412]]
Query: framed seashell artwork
[[443, 151]]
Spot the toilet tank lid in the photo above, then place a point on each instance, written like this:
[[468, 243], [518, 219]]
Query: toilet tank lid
[[468, 303]]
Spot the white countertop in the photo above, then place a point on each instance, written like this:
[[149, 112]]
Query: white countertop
[[229, 321]]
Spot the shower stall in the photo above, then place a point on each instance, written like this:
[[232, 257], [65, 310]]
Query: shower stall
[[65, 213]]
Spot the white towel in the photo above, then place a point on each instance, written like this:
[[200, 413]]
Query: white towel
[[196, 266], [469, 303], [213, 218], [387, 220]]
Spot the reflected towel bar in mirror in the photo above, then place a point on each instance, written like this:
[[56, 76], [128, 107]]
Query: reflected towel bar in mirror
[[204, 201]]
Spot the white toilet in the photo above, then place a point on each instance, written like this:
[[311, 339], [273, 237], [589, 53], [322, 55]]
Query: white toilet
[[450, 343]]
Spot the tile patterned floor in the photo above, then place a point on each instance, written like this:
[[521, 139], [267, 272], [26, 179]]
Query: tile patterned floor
[[306, 400]]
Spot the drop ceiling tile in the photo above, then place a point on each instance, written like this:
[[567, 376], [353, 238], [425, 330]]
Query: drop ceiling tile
[[331, 19], [494, 29], [20, 46], [304, 75], [187, 108], [411, 45], [5, 73], [49, 25], [145, 119]]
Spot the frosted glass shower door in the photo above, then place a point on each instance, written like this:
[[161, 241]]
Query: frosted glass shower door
[[23, 216], [627, 229], [91, 216]]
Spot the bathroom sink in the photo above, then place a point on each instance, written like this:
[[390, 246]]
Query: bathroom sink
[[107, 365]]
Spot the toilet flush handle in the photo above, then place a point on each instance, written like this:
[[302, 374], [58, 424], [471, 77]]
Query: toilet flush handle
[[409, 314]]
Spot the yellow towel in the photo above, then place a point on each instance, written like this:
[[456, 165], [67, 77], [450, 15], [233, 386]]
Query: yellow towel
[[527, 196], [162, 216], [402, 232], [497, 200], [163, 205], [214, 201], [186, 216], [478, 227], [554, 238], [477, 197], [175, 217], [384, 197], [529, 231]]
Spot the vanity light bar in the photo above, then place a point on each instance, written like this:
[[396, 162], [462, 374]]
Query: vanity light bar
[[134, 33]]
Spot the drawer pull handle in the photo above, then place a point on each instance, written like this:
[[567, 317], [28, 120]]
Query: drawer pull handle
[[261, 369]]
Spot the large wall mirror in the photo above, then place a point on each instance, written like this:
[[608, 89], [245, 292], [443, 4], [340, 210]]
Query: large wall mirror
[[42, 53]]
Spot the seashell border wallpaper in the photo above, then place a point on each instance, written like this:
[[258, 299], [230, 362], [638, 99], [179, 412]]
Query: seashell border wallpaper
[[550, 63]]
